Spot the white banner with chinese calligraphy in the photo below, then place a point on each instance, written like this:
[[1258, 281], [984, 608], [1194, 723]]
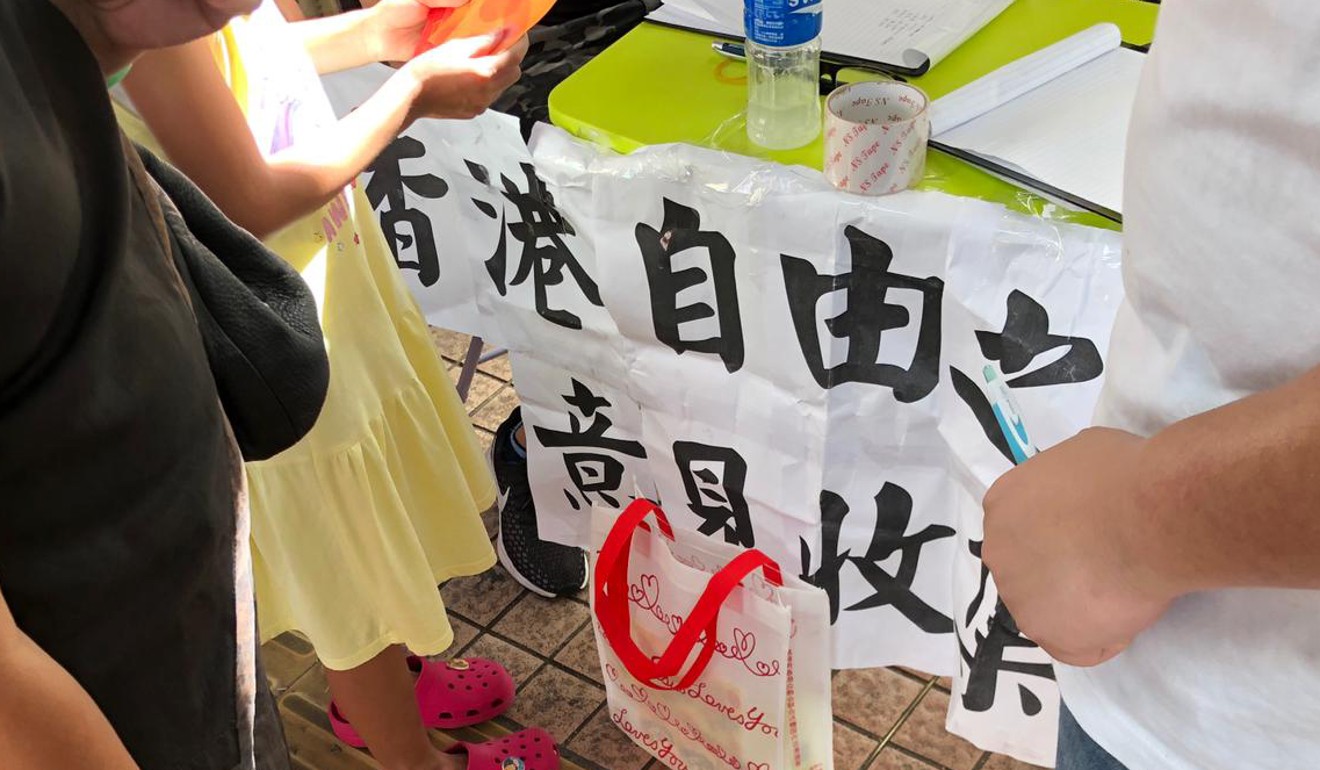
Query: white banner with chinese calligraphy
[[781, 364]]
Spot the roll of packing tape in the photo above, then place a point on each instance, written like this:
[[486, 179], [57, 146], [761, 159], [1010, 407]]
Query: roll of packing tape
[[875, 137]]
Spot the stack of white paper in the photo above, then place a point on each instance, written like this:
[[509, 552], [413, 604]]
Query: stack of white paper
[[1059, 116], [910, 34]]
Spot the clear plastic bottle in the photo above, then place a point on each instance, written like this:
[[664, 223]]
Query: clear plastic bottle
[[783, 72]]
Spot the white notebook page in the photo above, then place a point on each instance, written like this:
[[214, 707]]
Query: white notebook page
[[899, 32], [1070, 133]]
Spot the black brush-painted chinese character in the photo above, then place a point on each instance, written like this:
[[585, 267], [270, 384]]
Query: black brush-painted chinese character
[[893, 514], [545, 258], [680, 232], [714, 478], [387, 185], [868, 316], [1026, 337], [987, 662], [598, 473]]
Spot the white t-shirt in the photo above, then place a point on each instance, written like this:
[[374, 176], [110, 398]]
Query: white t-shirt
[[1222, 270]]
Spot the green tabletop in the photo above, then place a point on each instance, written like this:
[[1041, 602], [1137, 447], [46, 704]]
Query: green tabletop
[[659, 85]]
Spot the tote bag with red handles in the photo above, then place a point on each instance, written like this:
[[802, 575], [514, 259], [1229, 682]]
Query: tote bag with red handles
[[713, 659]]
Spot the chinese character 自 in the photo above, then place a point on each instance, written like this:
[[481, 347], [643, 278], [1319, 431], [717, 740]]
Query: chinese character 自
[[681, 234]]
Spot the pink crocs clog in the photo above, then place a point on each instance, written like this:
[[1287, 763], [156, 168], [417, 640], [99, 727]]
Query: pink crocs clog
[[531, 749], [461, 692], [450, 694]]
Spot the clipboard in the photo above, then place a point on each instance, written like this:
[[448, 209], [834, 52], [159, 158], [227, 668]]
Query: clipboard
[[1027, 181], [895, 37], [836, 61]]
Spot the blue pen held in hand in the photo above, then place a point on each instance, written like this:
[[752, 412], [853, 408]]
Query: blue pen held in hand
[[1015, 433]]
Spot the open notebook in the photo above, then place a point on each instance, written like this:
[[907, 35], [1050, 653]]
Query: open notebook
[[903, 36], [1056, 120]]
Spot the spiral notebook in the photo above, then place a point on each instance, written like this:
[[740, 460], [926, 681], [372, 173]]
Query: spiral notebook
[[906, 37], [1056, 120]]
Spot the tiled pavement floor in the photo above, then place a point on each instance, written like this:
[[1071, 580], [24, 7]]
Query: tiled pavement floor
[[885, 719]]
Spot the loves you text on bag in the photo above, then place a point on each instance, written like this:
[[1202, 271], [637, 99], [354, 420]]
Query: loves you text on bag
[[712, 657]]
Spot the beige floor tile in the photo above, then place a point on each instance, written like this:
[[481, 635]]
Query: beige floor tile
[[491, 516], [498, 367], [915, 673], [542, 625], [924, 734], [481, 390], [873, 698], [556, 701], [494, 411], [449, 344], [484, 437], [313, 687], [581, 655], [1002, 762], [286, 658], [519, 663], [893, 759], [605, 744], [481, 598], [943, 682], [312, 744], [464, 633], [851, 748]]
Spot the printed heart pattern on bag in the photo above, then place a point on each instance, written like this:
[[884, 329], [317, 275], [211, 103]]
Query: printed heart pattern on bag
[[744, 644], [758, 766], [645, 593]]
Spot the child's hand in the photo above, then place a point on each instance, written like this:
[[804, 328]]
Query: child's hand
[[395, 27], [457, 80]]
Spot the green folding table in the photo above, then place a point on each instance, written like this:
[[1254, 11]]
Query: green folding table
[[659, 85]]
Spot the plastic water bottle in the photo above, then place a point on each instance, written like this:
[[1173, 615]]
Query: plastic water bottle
[[783, 72]]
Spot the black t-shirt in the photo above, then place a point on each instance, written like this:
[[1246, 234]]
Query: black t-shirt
[[119, 483]]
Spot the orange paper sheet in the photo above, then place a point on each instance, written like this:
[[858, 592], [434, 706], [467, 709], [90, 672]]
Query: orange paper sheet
[[511, 19]]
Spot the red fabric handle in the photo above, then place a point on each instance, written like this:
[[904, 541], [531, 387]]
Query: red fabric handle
[[612, 605], [701, 625]]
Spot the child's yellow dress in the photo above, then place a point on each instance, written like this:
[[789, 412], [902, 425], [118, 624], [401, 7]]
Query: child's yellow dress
[[353, 527]]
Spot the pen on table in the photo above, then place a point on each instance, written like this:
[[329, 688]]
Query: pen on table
[[1011, 425], [731, 50]]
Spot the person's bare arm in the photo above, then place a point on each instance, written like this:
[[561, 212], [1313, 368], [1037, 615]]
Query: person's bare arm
[[1233, 496], [182, 97], [385, 31], [291, 10], [1091, 541], [47, 720]]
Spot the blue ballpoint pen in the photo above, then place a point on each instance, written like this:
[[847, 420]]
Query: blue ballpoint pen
[[731, 50], [1009, 416], [1019, 443]]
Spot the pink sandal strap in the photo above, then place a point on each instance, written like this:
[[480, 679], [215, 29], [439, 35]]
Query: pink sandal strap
[[343, 730]]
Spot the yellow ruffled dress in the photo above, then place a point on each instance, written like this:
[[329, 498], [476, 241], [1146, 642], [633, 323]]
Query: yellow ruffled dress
[[353, 527]]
